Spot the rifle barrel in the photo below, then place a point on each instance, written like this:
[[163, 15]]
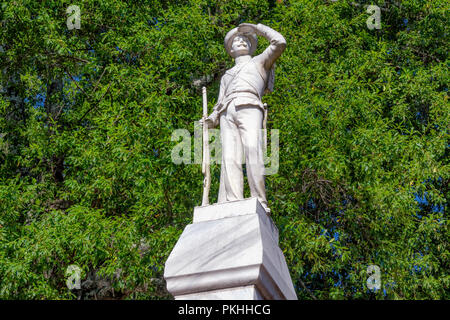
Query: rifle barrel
[[206, 160]]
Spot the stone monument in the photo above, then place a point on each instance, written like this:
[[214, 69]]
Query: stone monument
[[230, 251]]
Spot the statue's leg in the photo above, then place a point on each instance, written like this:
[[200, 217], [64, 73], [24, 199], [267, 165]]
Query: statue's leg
[[231, 176], [249, 120]]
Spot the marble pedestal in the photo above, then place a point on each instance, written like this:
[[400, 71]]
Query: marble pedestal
[[231, 252]]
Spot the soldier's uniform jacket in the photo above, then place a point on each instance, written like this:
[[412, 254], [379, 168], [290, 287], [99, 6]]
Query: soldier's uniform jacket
[[246, 83]]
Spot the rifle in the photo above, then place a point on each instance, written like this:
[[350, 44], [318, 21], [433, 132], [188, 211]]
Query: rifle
[[206, 156], [265, 125]]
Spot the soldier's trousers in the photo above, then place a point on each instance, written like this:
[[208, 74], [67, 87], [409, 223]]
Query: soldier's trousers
[[242, 138]]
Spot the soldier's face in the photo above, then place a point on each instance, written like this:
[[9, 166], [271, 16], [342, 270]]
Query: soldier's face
[[240, 46]]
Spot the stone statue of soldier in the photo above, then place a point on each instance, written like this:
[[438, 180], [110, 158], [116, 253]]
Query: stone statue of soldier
[[240, 111]]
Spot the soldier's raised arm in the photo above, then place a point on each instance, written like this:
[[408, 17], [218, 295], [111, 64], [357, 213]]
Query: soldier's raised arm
[[276, 46]]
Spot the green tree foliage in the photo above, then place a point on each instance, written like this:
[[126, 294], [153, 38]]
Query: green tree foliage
[[86, 175]]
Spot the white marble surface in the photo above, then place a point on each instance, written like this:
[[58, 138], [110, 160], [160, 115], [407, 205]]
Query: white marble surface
[[239, 249], [233, 209], [239, 293]]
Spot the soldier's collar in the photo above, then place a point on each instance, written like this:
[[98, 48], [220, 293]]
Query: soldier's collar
[[236, 68]]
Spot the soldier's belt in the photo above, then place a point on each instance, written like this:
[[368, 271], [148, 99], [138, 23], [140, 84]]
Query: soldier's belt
[[240, 100], [242, 94]]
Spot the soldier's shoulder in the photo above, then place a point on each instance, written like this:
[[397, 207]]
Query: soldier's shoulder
[[227, 74], [231, 70]]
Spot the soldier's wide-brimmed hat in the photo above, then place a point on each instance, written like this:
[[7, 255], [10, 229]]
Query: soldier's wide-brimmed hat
[[233, 33]]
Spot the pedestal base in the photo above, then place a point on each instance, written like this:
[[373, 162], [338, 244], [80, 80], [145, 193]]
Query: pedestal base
[[229, 252], [240, 293]]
